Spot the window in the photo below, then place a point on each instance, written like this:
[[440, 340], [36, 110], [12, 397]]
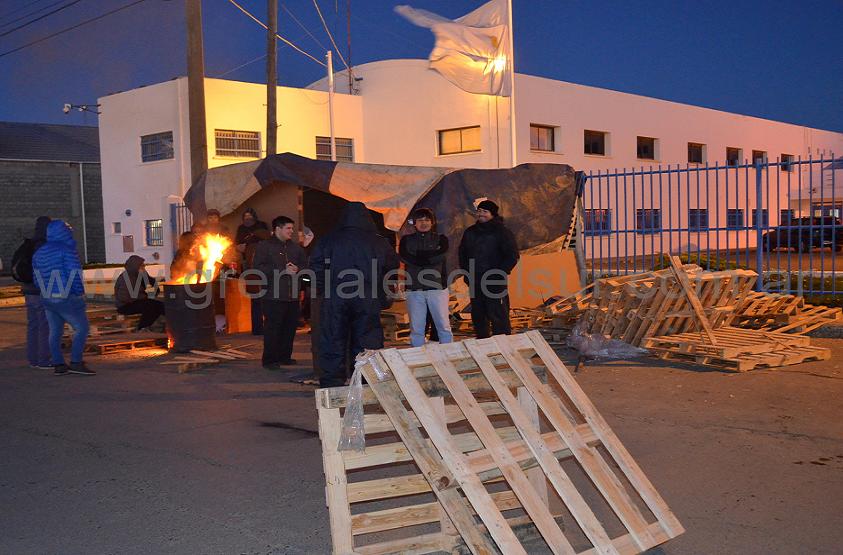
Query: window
[[827, 210], [648, 220], [734, 218], [541, 138], [237, 144], [455, 141], [154, 233], [765, 218], [786, 217], [759, 156], [698, 219], [597, 221], [647, 148], [344, 146], [116, 228], [158, 146], [733, 156], [594, 143], [787, 162], [696, 153]]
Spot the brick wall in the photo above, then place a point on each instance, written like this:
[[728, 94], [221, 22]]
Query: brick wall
[[32, 189]]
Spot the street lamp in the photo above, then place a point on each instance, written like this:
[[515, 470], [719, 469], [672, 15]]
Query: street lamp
[[81, 107]]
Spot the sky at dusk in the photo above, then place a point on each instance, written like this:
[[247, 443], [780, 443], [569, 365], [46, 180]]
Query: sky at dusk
[[775, 59]]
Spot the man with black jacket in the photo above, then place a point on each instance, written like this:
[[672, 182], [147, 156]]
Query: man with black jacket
[[350, 264], [279, 259], [37, 329], [488, 252], [423, 253]]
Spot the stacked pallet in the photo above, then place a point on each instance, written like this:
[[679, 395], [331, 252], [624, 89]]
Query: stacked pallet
[[470, 446], [782, 313]]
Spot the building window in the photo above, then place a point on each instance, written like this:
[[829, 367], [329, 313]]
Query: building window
[[734, 218], [759, 156], [542, 138], [597, 221], [594, 143], [344, 146], [696, 153], [787, 162], [158, 146], [116, 228], [154, 233], [646, 149], [833, 210], [698, 219], [786, 216], [648, 220], [237, 144], [765, 218], [463, 139], [733, 156]]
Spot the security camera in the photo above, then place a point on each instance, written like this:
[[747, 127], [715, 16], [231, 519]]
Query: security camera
[[66, 108]]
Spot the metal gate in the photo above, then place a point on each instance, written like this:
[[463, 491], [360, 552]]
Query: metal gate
[[718, 216], [181, 220]]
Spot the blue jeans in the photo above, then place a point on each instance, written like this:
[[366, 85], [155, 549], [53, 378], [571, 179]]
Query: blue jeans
[[436, 301], [72, 311], [37, 332]]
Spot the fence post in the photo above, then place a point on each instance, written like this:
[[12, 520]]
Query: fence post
[[759, 247]]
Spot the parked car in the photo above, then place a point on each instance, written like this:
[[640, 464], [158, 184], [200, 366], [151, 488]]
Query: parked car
[[804, 234]]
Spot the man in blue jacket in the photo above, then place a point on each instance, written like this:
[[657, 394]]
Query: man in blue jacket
[[58, 274]]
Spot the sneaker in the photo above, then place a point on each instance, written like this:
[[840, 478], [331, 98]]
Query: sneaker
[[61, 369], [41, 366], [81, 369]]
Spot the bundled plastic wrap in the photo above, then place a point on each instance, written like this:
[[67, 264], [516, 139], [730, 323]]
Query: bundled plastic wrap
[[353, 435], [599, 347]]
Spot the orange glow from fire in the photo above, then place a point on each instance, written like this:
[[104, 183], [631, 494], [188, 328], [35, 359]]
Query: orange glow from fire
[[208, 251]]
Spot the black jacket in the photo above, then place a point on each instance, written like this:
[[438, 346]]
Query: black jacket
[[353, 245], [424, 259], [26, 252], [491, 246], [271, 257], [131, 285], [246, 234]]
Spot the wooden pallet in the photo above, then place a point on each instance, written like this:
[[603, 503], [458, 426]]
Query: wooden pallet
[[751, 361], [782, 313], [128, 342], [483, 433], [730, 342]]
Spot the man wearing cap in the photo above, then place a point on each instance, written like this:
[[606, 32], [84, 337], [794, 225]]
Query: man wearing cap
[[488, 253]]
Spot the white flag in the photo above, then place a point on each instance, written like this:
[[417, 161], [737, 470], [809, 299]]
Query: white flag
[[473, 51]]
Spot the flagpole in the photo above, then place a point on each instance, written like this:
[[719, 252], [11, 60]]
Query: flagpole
[[512, 127]]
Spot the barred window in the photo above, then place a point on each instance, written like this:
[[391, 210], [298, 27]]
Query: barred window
[[237, 144], [648, 220], [344, 146], [734, 218], [158, 146], [154, 233], [765, 217], [697, 219], [597, 221]]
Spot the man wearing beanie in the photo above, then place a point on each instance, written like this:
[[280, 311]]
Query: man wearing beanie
[[488, 253]]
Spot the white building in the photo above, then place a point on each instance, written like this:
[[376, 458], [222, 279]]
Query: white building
[[403, 113]]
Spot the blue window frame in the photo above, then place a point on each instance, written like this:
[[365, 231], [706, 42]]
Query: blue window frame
[[154, 233], [698, 219], [765, 217], [597, 221], [734, 218], [787, 216], [648, 220]]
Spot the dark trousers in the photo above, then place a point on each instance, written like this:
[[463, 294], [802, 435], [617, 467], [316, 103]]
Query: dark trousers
[[257, 317], [342, 322], [486, 310], [279, 330], [149, 309]]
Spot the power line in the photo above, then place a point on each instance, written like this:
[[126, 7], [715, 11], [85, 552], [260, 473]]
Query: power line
[[24, 16], [330, 36], [39, 18], [261, 23], [232, 70], [303, 27], [57, 33]]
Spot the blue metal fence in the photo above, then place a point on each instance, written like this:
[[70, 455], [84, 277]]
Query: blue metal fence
[[718, 216]]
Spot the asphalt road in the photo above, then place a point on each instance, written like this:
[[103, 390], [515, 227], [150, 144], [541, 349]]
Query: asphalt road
[[140, 459]]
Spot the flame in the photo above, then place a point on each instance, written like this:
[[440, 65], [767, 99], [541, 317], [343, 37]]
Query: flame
[[207, 256], [499, 63]]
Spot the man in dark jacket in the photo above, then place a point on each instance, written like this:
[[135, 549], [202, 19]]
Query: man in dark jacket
[[249, 235], [58, 273], [130, 293], [37, 329], [423, 253], [350, 264], [488, 252], [279, 260]]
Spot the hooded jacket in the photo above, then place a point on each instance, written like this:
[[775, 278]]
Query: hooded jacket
[[356, 246], [131, 284], [491, 246], [56, 265], [39, 237]]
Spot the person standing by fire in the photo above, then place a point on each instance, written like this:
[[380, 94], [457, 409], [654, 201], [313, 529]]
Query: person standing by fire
[[249, 235], [279, 259]]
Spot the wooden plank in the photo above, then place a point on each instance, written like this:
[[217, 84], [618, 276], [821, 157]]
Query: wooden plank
[[682, 278], [535, 474], [445, 525], [440, 478], [339, 511], [453, 458], [562, 484], [610, 441], [535, 507]]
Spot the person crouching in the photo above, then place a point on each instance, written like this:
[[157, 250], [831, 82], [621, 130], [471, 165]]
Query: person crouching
[[130, 293]]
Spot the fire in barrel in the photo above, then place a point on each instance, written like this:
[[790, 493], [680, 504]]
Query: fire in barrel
[[189, 295]]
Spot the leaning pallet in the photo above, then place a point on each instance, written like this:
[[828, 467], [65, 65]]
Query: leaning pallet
[[782, 313], [494, 428]]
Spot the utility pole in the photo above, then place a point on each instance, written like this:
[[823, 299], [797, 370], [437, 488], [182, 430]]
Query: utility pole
[[348, 39], [330, 59], [271, 78], [196, 90]]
